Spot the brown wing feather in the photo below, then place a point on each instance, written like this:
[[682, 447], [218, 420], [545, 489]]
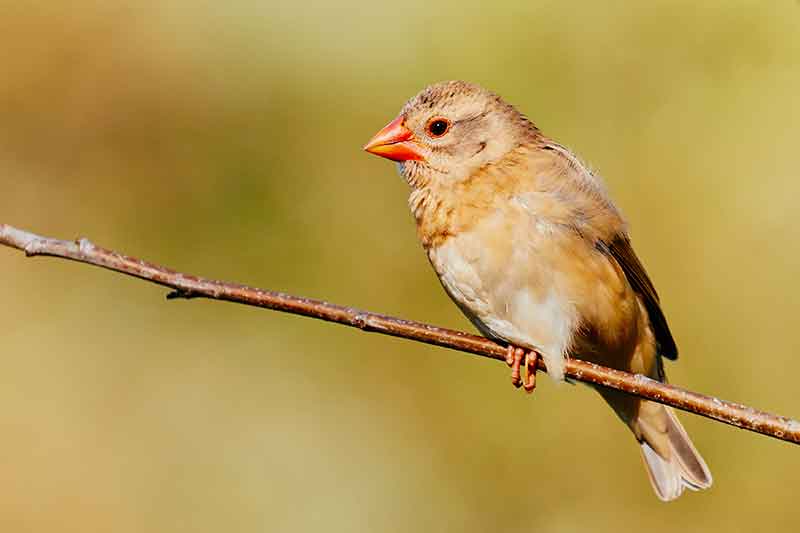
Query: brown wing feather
[[621, 250]]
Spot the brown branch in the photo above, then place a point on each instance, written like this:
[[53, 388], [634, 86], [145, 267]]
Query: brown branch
[[186, 286]]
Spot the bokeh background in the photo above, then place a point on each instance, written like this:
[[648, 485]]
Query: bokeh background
[[224, 139]]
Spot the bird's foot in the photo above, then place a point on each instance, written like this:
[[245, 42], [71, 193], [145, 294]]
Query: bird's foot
[[514, 357]]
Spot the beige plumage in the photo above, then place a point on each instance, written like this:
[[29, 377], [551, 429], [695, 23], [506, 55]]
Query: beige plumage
[[527, 242]]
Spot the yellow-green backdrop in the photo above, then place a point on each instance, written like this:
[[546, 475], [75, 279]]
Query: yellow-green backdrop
[[224, 139]]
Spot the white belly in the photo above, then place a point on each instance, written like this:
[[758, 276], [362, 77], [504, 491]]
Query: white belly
[[514, 297]]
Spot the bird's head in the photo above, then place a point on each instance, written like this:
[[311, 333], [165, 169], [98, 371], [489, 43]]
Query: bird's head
[[450, 130]]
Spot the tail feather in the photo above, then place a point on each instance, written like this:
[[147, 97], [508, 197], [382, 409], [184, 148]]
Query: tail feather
[[673, 463]]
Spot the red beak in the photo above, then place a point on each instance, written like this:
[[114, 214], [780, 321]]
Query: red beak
[[395, 142]]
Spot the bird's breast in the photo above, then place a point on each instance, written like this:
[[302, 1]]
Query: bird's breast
[[500, 273], [531, 281], [507, 294]]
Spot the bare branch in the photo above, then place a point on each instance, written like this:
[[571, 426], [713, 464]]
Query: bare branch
[[186, 286]]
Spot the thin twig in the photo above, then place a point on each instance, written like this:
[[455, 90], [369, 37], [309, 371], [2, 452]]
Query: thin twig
[[186, 286]]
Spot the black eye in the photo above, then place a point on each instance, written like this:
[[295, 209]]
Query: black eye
[[438, 127]]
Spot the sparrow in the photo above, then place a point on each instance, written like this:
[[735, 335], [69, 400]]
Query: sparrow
[[527, 242]]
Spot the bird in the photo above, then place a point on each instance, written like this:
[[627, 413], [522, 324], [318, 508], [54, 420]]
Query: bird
[[527, 242]]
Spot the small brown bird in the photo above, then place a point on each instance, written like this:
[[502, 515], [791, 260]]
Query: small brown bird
[[528, 244]]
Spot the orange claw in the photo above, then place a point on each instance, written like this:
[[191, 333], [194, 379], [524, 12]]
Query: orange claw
[[531, 365], [514, 357]]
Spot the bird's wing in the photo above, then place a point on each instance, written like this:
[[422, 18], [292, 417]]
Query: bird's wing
[[620, 249], [593, 216]]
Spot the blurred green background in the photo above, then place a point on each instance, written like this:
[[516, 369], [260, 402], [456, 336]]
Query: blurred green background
[[224, 139]]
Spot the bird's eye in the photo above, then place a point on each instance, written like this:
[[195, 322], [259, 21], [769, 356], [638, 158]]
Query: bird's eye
[[437, 127]]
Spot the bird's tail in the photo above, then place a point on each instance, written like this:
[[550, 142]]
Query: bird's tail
[[673, 463]]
